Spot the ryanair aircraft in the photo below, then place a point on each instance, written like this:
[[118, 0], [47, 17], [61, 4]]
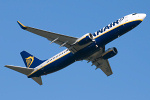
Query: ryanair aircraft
[[90, 47]]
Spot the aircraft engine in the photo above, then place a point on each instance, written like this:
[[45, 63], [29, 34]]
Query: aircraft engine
[[109, 53], [87, 38]]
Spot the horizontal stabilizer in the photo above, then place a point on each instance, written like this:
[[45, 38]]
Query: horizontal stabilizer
[[38, 80], [22, 70], [26, 71]]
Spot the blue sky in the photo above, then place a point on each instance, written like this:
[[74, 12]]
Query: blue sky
[[79, 81]]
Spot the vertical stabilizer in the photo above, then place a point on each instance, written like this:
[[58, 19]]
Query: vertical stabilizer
[[30, 60]]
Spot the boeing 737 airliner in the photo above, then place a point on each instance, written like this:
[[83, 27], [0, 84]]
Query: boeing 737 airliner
[[90, 47]]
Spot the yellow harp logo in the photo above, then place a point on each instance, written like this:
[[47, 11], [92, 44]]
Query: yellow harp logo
[[29, 61]]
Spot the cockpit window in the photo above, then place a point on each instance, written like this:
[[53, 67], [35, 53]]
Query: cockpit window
[[134, 13]]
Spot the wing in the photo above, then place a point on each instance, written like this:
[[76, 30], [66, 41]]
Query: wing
[[103, 64], [59, 39]]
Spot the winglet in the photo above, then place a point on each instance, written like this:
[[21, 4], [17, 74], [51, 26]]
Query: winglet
[[21, 25]]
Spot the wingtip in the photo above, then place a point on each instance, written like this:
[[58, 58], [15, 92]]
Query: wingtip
[[21, 25], [7, 66]]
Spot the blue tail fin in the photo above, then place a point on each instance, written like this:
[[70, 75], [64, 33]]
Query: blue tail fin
[[29, 60]]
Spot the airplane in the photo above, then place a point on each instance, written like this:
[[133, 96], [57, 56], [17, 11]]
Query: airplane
[[89, 47]]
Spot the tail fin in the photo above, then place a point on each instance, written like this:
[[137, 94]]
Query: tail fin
[[25, 71], [29, 60]]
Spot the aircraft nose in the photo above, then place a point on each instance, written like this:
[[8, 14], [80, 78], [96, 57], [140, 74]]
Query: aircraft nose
[[142, 16]]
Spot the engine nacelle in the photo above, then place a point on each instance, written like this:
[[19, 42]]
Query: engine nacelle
[[109, 53], [87, 38]]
